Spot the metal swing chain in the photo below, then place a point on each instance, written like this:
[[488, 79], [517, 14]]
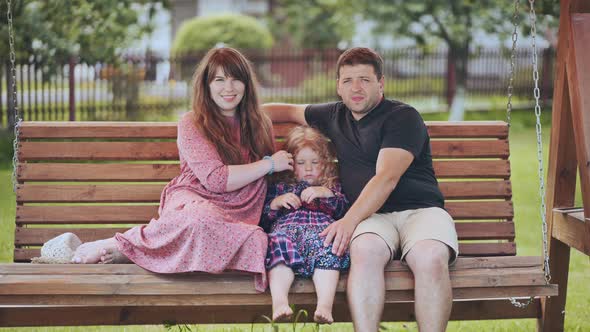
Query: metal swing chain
[[515, 20], [512, 60], [537, 94], [17, 118]]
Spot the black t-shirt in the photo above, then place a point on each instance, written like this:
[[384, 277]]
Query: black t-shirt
[[391, 124]]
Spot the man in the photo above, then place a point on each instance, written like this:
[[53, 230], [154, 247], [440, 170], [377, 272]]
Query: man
[[386, 170]]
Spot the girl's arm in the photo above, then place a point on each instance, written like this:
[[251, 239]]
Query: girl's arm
[[334, 205], [269, 216]]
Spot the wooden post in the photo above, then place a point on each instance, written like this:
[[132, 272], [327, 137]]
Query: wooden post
[[72, 88], [571, 110], [451, 80]]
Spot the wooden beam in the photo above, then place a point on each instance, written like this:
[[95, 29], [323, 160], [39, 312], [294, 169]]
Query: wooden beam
[[569, 227], [122, 315], [561, 178]]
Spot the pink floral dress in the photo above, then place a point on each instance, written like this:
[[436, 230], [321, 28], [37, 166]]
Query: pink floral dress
[[201, 226]]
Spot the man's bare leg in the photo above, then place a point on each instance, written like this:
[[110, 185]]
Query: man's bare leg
[[280, 279], [366, 281], [429, 261]]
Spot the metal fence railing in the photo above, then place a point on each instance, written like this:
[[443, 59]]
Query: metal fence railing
[[137, 85]]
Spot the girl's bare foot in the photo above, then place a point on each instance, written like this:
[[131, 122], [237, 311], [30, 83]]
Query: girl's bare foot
[[323, 316], [282, 313], [113, 256], [90, 252]]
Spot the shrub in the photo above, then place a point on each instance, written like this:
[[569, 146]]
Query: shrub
[[202, 33]]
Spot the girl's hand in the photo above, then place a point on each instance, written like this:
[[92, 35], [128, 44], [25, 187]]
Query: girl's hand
[[283, 161], [287, 201], [311, 193]]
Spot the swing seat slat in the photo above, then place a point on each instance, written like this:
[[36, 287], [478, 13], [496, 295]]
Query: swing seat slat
[[98, 178]]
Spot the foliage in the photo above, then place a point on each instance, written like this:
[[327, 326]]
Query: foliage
[[203, 33], [314, 23], [92, 30]]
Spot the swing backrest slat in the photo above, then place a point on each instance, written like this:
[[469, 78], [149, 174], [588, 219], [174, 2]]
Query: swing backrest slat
[[99, 178]]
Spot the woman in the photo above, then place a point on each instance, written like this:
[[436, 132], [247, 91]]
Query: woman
[[209, 213]]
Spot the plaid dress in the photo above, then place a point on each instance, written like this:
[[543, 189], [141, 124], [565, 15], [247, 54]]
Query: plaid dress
[[294, 235]]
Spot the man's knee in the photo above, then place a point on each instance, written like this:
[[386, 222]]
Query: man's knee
[[429, 256], [369, 249]]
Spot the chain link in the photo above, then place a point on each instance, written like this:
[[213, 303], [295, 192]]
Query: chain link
[[537, 94], [17, 119], [512, 60], [521, 305]]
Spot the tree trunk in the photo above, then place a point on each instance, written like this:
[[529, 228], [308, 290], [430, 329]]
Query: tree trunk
[[461, 58]]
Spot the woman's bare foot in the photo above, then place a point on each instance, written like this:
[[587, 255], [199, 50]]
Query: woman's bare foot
[[323, 316], [113, 256], [90, 252], [282, 313]]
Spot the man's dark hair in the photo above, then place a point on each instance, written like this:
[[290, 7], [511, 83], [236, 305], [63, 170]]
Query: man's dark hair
[[360, 56]]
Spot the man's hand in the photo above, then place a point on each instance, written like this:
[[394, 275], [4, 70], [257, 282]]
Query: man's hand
[[311, 193], [287, 201], [339, 234]]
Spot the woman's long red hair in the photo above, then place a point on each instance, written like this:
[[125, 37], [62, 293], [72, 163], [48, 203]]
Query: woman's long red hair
[[255, 126]]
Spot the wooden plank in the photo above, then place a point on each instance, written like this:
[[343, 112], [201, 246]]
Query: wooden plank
[[86, 214], [462, 263], [440, 129], [38, 236], [209, 284], [124, 315], [460, 148], [163, 172], [97, 129], [467, 129], [465, 249], [117, 214], [47, 193], [471, 169], [96, 172], [27, 193], [470, 149], [480, 210], [260, 299], [487, 249], [570, 228], [29, 151], [476, 189], [485, 230]]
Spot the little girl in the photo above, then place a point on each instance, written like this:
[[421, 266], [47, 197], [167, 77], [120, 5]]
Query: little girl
[[299, 209]]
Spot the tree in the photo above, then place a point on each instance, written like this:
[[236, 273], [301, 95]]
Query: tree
[[202, 33], [313, 23], [452, 22], [90, 29]]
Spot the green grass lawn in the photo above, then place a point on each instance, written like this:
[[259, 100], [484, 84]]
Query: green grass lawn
[[528, 233]]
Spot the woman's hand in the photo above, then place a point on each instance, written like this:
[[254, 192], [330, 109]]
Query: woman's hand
[[287, 201], [311, 193], [283, 161]]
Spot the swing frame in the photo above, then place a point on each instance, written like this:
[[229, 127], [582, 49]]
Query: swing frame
[[35, 295]]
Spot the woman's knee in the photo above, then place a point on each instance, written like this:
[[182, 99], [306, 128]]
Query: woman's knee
[[369, 249]]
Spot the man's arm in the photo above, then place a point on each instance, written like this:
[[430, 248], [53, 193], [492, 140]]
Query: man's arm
[[392, 163], [279, 112]]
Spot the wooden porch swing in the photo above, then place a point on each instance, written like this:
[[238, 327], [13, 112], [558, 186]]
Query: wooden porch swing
[[98, 178]]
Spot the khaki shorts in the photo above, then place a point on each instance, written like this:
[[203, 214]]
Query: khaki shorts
[[405, 228]]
